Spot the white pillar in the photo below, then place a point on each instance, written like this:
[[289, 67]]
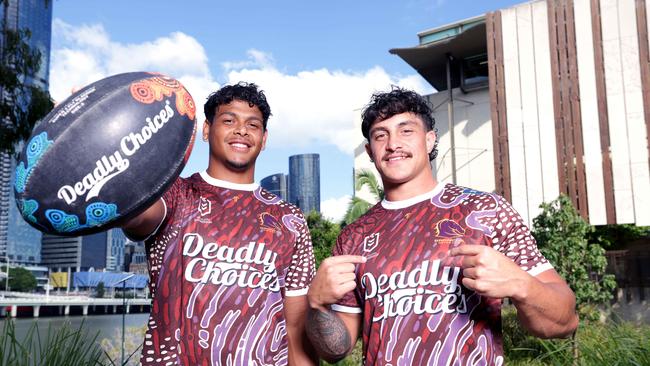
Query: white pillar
[[37, 311]]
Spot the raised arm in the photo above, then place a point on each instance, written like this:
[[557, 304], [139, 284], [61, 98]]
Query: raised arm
[[145, 223], [545, 303], [333, 334]]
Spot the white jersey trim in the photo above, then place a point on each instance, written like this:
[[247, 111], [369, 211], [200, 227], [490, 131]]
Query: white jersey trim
[[346, 309], [540, 268], [299, 292], [229, 185], [394, 205], [161, 221]]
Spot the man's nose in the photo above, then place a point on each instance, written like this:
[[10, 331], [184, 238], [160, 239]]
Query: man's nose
[[240, 128], [393, 143]]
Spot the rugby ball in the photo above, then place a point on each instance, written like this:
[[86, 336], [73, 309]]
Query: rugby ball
[[105, 153]]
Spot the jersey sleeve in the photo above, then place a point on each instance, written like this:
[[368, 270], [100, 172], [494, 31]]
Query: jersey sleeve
[[351, 301], [301, 269], [512, 237]]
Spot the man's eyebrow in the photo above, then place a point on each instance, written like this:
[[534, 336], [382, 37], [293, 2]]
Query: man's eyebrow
[[375, 129], [407, 122], [235, 115], [226, 112]]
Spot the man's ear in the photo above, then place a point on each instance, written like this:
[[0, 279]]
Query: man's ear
[[206, 130], [264, 139], [430, 140], [369, 152]]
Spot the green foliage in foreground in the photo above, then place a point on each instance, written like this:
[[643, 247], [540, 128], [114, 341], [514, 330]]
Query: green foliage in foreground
[[59, 347], [611, 343]]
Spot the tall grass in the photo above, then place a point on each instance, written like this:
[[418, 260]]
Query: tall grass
[[64, 346], [608, 344]]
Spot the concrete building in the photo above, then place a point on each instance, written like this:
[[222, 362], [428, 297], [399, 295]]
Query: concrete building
[[100, 251], [545, 97], [304, 182]]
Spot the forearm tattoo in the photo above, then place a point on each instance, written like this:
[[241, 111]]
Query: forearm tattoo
[[328, 334]]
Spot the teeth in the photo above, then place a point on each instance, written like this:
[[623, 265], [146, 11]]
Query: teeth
[[397, 158], [236, 144]]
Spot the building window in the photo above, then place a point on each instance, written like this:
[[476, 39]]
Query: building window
[[474, 72]]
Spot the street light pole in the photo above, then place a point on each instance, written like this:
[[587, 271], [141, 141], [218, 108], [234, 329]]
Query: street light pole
[[450, 112], [123, 281]]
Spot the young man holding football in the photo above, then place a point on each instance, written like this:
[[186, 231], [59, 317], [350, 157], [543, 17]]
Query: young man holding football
[[230, 263]]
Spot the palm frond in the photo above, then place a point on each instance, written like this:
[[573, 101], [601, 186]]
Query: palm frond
[[367, 178]]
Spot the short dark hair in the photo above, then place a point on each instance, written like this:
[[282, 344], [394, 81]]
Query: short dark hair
[[246, 92], [384, 105]]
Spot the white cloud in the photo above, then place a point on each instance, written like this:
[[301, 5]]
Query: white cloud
[[86, 54], [309, 106], [317, 105], [334, 208]]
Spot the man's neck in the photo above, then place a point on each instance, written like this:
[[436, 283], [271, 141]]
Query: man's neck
[[228, 175], [410, 189]]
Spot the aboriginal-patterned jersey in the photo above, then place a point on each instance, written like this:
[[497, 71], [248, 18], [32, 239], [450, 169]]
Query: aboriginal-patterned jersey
[[221, 263], [415, 309]]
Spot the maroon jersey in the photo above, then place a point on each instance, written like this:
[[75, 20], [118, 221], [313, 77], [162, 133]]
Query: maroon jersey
[[415, 309], [221, 264]]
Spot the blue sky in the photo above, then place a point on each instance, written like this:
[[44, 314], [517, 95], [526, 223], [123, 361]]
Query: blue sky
[[318, 62]]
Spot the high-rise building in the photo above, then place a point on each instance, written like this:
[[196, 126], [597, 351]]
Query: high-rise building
[[135, 257], [23, 241], [276, 184], [304, 182], [60, 253], [18, 241], [36, 16], [115, 242]]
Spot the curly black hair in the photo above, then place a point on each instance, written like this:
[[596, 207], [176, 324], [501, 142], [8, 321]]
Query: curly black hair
[[246, 92], [384, 105]]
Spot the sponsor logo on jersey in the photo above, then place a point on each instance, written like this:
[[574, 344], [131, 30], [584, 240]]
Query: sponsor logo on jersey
[[431, 288], [251, 266]]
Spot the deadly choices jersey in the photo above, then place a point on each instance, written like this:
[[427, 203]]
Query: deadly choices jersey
[[415, 309], [221, 263]]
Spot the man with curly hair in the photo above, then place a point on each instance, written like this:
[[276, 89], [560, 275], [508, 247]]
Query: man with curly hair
[[230, 263], [423, 273]]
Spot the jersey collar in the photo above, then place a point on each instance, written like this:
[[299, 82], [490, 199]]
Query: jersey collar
[[229, 185], [394, 205]]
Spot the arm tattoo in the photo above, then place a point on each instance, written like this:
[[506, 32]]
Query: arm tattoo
[[328, 334]]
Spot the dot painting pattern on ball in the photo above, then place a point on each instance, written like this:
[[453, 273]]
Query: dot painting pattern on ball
[[109, 150]]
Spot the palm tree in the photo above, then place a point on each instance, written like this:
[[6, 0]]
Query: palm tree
[[358, 206]]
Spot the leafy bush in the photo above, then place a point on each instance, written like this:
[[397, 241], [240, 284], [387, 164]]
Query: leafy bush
[[323, 235], [561, 235]]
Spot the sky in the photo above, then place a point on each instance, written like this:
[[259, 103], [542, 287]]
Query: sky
[[317, 61]]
